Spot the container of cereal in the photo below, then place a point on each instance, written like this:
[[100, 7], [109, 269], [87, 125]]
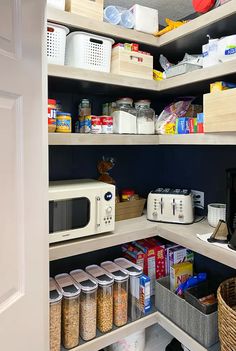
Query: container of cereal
[[63, 122], [70, 310], [96, 125], [88, 303], [105, 297], [120, 292], [55, 298], [135, 272]]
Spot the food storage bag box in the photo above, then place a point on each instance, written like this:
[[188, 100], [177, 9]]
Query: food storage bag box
[[131, 63], [55, 298], [70, 310], [120, 292], [88, 303], [145, 19], [203, 328], [87, 8], [179, 273], [105, 297]]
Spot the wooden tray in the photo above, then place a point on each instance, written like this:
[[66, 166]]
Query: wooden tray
[[129, 209]]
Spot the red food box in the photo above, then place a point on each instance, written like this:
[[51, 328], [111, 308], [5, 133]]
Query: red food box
[[133, 254]]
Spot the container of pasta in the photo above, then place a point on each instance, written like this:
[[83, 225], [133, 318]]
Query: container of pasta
[[105, 297], [70, 310], [55, 298], [120, 292], [134, 271], [63, 122], [88, 303]]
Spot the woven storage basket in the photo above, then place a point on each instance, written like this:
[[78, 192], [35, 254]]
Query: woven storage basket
[[226, 295]]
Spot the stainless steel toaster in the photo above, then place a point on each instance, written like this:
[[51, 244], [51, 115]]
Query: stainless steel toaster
[[170, 205]]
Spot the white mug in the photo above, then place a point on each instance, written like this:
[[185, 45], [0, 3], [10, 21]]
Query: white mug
[[215, 213]]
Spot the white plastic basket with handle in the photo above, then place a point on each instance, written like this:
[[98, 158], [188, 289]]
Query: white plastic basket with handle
[[56, 43], [88, 51], [59, 4]]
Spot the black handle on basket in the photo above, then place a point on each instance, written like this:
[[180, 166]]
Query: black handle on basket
[[96, 41]]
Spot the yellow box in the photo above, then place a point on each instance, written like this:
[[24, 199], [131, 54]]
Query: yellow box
[[179, 273]]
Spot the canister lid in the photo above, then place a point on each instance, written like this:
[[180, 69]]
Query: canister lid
[[54, 293], [103, 277], [52, 102], [84, 280], [116, 271], [131, 268], [63, 114], [67, 285]]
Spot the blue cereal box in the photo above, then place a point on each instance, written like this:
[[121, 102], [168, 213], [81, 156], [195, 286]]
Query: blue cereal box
[[145, 294]]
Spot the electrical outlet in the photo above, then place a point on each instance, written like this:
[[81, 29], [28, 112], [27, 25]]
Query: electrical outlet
[[198, 198]]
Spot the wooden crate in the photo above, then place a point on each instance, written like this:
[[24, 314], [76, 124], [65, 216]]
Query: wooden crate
[[131, 63], [87, 8], [220, 111], [129, 209]]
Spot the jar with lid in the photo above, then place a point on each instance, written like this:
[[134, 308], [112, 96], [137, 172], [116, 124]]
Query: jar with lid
[[84, 108], [52, 114], [88, 303], [55, 298], [124, 117], [70, 310], [105, 297], [145, 117], [134, 271], [120, 292]]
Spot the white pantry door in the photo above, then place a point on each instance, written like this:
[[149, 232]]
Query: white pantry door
[[23, 178]]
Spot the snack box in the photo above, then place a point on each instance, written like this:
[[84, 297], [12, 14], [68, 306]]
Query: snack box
[[192, 125], [179, 273], [168, 247], [145, 293], [182, 125], [179, 255], [133, 254], [200, 123], [220, 86]]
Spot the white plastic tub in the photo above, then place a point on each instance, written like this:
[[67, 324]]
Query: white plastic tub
[[56, 43]]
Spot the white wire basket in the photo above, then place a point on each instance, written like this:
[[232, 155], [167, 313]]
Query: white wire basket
[[59, 4], [88, 51], [56, 43]]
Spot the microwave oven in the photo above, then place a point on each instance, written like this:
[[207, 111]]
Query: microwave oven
[[80, 208]]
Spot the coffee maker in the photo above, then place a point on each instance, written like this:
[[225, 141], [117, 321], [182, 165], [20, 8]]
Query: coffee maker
[[231, 206]]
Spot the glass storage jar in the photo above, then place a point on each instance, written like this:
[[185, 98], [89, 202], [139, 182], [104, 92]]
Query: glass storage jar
[[120, 292], [145, 117], [134, 271], [55, 298], [105, 297], [88, 303], [125, 117], [70, 310]]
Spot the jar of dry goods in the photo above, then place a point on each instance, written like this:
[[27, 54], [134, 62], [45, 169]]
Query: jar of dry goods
[[88, 303], [120, 292], [135, 272], [70, 310], [105, 297], [145, 117], [55, 298]]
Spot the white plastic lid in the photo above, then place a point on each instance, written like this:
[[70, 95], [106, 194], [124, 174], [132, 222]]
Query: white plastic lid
[[54, 293], [131, 268], [103, 277], [116, 271], [84, 280], [67, 285]]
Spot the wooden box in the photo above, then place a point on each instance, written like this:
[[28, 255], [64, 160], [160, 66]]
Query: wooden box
[[220, 111], [129, 209], [87, 8], [131, 63]]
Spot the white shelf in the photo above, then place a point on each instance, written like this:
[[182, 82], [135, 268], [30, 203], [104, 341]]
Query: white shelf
[[140, 228]]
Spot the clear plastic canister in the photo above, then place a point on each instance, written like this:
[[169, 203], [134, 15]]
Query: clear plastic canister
[[145, 117], [70, 310], [135, 272], [88, 303], [55, 298], [120, 292], [105, 297]]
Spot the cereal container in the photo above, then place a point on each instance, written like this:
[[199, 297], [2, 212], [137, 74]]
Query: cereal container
[[120, 292], [70, 310], [135, 272], [88, 303], [105, 297], [55, 298]]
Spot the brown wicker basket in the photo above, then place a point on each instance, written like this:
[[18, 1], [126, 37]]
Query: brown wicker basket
[[226, 295]]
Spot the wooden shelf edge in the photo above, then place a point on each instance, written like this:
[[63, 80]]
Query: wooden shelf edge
[[198, 139]]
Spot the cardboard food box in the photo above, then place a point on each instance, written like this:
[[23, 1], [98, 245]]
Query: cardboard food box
[[133, 254], [179, 255], [87, 8], [179, 273]]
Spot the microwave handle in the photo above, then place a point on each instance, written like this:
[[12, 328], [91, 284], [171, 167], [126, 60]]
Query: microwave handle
[[98, 215]]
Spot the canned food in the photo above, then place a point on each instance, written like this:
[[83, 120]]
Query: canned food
[[63, 122], [96, 125], [107, 124]]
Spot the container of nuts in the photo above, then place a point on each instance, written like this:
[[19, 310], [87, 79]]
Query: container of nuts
[[104, 298], [120, 292], [70, 310], [88, 303], [55, 298]]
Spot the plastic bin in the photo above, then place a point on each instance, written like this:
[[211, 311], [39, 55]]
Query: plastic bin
[[56, 43], [88, 303], [105, 297], [120, 292], [55, 298], [70, 310], [135, 272], [88, 51], [58, 4]]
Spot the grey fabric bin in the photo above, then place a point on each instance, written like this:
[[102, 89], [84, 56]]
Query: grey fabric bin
[[202, 327]]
